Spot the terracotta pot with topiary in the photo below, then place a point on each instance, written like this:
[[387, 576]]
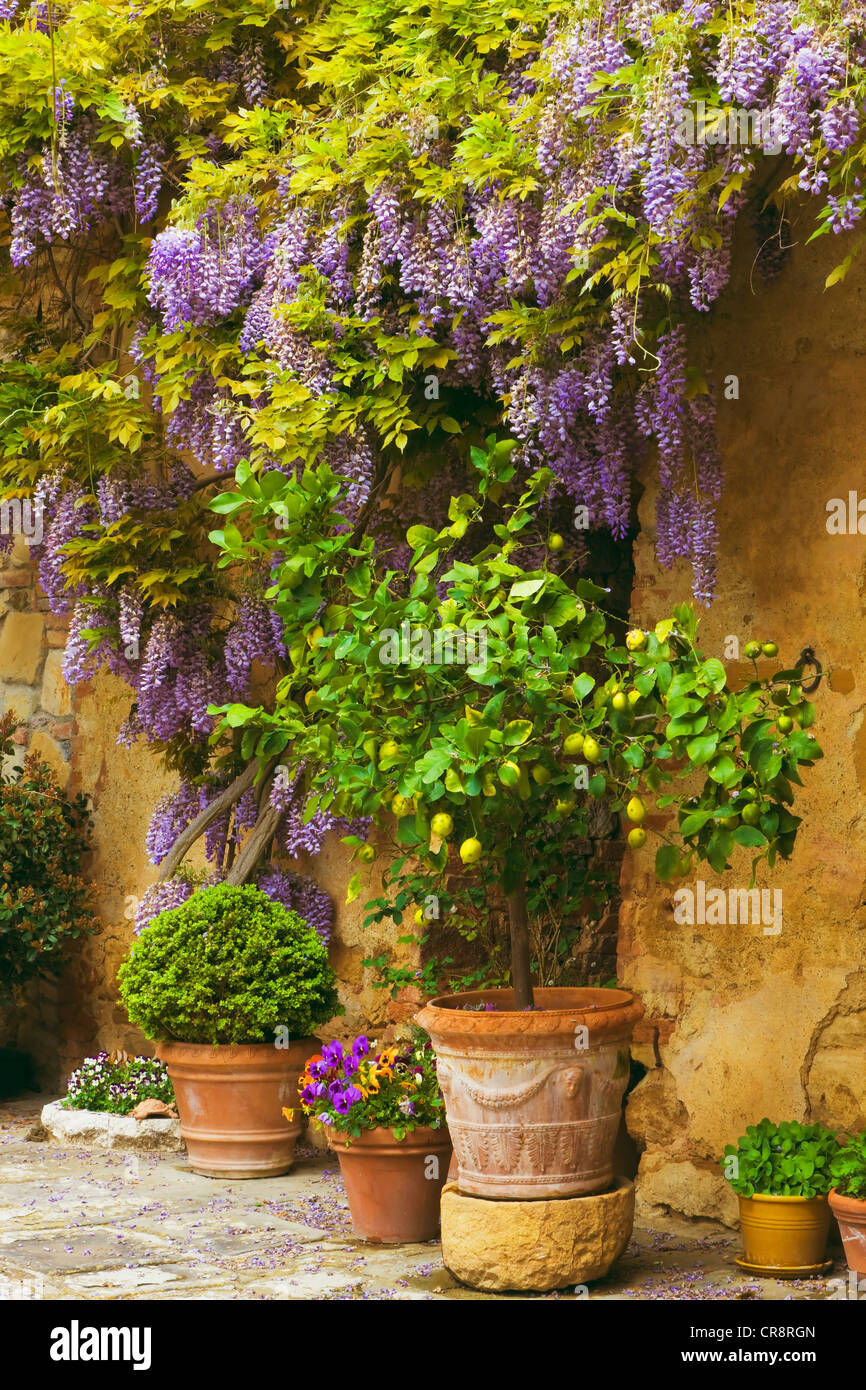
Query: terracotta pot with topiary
[[781, 1175], [848, 1199], [230, 985]]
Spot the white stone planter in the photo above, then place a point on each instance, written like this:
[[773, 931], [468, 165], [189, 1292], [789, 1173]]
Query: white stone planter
[[91, 1129]]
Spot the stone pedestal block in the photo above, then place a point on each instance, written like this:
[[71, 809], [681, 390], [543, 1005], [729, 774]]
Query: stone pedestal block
[[500, 1245]]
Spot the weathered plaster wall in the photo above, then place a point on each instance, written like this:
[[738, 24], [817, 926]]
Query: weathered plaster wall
[[742, 1025]]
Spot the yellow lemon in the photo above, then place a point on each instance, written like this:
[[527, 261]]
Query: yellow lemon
[[636, 811], [592, 750]]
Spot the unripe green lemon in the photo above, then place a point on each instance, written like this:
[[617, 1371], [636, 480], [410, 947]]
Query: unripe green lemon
[[620, 700], [750, 814], [637, 837], [366, 854], [556, 542], [784, 723], [509, 774], [769, 649], [752, 650]]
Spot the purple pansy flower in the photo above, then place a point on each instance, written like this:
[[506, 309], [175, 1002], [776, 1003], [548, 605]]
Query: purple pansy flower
[[346, 1099]]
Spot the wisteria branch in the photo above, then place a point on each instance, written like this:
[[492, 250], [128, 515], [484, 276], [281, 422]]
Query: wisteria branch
[[187, 838]]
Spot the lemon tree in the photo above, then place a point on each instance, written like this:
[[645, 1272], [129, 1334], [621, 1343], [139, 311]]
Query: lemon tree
[[475, 765]]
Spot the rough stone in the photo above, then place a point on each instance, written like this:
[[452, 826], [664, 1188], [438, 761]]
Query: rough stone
[[499, 1246], [21, 647], [697, 1191], [20, 698], [56, 695], [49, 750], [95, 1130]]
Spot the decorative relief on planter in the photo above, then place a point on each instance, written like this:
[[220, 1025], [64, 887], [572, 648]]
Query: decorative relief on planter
[[531, 1113]]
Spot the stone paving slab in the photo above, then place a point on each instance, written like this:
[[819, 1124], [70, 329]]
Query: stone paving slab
[[104, 1225]]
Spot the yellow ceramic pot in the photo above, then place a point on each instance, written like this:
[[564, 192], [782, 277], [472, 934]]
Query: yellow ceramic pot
[[784, 1232]]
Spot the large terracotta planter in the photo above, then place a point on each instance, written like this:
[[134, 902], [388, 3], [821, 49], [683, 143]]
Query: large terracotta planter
[[394, 1186], [230, 1101], [850, 1212], [533, 1098], [784, 1234]]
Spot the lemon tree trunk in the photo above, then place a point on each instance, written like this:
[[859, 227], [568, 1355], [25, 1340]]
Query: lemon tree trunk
[[520, 956]]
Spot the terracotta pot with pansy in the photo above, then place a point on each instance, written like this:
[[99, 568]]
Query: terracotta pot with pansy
[[384, 1117]]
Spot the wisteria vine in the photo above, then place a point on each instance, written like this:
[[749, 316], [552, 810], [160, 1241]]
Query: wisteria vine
[[315, 265]]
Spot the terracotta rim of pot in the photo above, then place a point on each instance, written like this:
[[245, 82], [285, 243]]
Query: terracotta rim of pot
[[232, 1052], [381, 1140], [852, 1207], [608, 1014]]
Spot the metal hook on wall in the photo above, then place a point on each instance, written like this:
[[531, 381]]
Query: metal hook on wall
[[807, 657]]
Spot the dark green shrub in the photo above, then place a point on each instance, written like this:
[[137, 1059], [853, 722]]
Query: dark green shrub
[[786, 1160], [848, 1168], [44, 901], [230, 965]]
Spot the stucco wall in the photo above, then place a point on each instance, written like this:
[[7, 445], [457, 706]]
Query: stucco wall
[[743, 1024]]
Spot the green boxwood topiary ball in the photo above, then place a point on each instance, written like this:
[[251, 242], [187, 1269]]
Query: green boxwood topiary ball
[[230, 965]]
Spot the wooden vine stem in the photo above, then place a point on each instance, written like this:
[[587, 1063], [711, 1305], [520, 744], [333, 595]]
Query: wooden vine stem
[[226, 799]]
